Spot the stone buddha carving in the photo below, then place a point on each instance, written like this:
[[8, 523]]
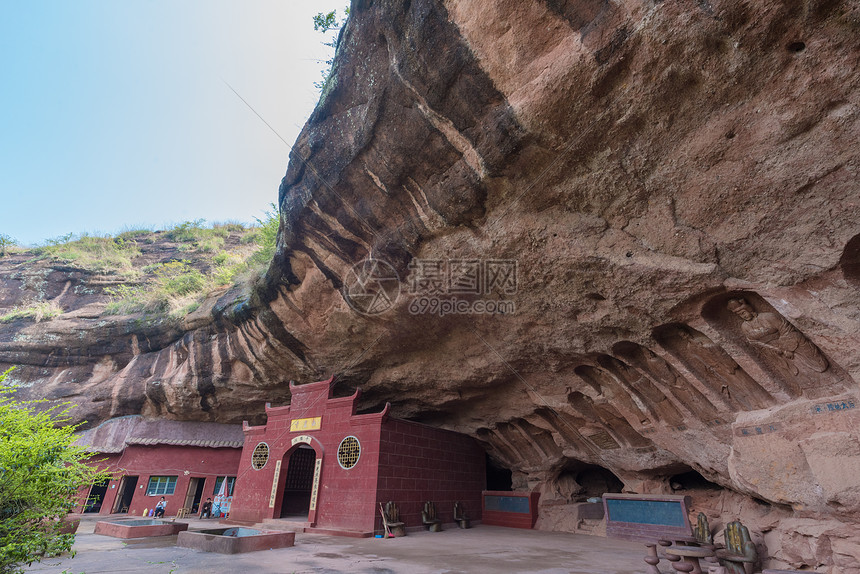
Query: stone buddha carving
[[779, 339]]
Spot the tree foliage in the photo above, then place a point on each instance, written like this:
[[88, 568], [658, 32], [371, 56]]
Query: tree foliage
[[6, 243], [267, 238], [41, 472], [325, 22]]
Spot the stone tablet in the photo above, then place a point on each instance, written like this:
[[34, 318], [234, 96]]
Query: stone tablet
[[647, 518]]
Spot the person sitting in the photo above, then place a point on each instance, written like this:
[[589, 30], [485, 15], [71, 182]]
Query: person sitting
[[206, 511], [159, 508]]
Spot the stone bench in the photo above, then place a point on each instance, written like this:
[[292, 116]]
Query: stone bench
[[391, 520], [739, 556], [429, 518], [460, 516]]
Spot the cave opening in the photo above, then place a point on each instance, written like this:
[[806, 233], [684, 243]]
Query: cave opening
[[498, 477], [850, 260], [595, 480], [578, 481], [692, 480]]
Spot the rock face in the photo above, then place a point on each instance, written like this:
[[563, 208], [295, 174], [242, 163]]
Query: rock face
[[652, 204]]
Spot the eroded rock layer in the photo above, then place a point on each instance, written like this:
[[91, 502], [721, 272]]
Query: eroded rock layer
[[662, 197]]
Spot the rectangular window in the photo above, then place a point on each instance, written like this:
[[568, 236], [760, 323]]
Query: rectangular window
[[159, 485], [231, 481]]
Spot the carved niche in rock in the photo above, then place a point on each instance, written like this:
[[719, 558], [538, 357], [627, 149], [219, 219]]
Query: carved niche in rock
[[631, 405], [498, 447], [616, 430], [526, 451], [666, 375], [569, 428], [795, 363], [713, 366], [657, 403]]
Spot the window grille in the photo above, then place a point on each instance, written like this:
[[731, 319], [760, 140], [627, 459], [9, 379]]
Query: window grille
[[348, 452], [260, 456]]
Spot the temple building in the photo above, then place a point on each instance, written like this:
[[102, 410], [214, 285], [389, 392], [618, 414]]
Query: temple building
[[186, 462], [317, 461]]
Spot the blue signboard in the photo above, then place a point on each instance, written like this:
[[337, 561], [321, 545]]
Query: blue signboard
[[662, 512], [519, 504]]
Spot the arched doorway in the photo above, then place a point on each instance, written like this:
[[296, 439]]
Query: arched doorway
[[298, 483]]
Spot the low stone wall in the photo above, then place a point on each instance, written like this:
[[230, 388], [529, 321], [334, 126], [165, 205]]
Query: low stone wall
[[143, 528], [235, 540]]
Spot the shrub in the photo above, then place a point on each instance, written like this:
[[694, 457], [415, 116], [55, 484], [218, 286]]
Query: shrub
[[210, 244], [232, 226], [221, 258], [171, 286], [178, 278], [325, 22], [267, 237], [187, 231], [133, 234], [7, 244], [41, 472]]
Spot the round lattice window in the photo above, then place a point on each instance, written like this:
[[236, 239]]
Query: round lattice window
[[260, 456], [348, 452]]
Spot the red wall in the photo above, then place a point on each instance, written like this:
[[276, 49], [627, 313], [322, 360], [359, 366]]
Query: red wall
[[165, 460], [401, 461], [346, 499], [419, 463]]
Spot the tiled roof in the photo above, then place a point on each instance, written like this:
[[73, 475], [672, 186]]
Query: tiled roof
[[113, 435], [187, 442]]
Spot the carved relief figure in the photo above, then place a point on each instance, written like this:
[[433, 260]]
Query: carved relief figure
[[609, 418], [630, 404], [777, 338], [663, 372], [719, 371], [638, 385]]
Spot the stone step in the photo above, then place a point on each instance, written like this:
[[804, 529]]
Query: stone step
[[283, 524], [591, 526]]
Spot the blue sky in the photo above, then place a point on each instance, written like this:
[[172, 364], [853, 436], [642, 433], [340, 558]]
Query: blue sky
[[115, 114]]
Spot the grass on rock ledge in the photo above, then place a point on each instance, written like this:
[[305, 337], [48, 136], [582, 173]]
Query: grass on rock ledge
[[37, 310], [101, 254], [167, 272], [177, 287]]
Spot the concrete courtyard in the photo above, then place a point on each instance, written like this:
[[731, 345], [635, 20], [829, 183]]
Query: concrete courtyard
[[479, 550]]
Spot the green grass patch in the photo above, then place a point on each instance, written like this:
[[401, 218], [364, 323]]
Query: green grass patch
[[102, 254], [195, 232], [171, 287], [141, 233], [213, 258], [37, 310]]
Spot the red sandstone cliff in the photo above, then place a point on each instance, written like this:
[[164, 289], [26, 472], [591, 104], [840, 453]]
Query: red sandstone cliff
[[650, 167]]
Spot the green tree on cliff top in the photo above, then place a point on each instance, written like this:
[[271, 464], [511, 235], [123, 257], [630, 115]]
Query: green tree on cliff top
[[41, 472], [325, 22]]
